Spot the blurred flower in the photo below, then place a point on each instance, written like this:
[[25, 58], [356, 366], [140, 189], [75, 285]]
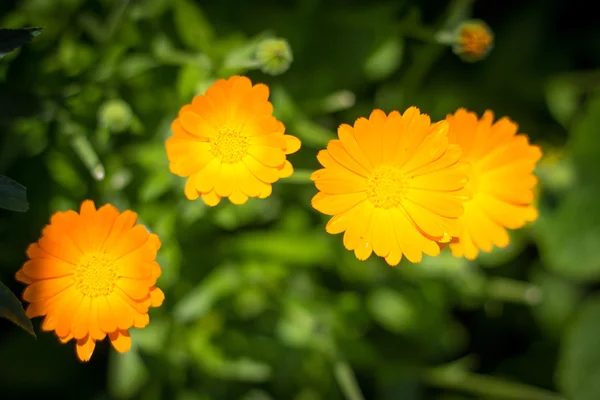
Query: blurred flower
[[228, 143], [393, 184], [274, 56], [501, 180], [92, 274], [116, 115], [473, 40]]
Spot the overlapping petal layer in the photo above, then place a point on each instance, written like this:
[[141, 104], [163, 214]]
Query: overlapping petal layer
[[501, 180], [92, 274], [393, 184], [228, 143]]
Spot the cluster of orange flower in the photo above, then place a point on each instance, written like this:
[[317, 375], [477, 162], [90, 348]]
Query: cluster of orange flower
[[395, 184]]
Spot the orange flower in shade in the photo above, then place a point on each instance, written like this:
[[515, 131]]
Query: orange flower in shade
[[228, 143], [92, 274], [501, 180], [393, 185]]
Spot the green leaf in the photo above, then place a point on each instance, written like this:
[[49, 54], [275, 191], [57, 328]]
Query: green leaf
[[193, 26], [12, 309], [560, 298], [579, 363], [127, 374], [222, 282], [385, 59], [13, 196], [568, 237], [11, 39], [562, 97], [391, 309]]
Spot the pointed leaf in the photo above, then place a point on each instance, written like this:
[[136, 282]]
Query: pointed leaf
[[13, 196], [11, 39], [12, 309]]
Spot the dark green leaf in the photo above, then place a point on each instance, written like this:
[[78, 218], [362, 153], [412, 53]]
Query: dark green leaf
[[13, 196], [11, 309], [579, 363], [10, 39]]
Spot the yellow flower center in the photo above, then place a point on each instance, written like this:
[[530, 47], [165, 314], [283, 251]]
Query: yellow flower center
[[96, 275], [230, 145], [386, 186]]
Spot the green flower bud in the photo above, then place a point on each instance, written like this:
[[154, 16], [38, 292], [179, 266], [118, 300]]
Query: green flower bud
[[116, 115], [274, 56]]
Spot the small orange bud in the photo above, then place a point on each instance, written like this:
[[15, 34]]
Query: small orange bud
[[473, 40]]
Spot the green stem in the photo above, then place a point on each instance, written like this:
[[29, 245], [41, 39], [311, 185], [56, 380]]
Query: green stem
[[427, 55], [299, 176], [115, 17], [509, 290], [347, 381], [448, 377], [87, 154]]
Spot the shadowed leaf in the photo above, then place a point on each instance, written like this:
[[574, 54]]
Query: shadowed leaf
[[12, 309]]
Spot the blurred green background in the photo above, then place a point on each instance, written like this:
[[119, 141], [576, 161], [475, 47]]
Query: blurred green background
[[260, 302]]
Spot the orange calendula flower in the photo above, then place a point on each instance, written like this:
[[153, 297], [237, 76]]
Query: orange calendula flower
[[393, 185], [228, 143], [501, 180], [92, 274]]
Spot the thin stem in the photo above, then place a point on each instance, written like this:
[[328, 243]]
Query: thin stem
[[449, 377], [427, 55], [299, 176], [115, 17], [347, 380], [510, 290]]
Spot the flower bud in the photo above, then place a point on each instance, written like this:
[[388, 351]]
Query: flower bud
[[473, 40], [274, 56], [116, 115]]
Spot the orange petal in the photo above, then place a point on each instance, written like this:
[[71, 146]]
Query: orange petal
[[141, 320], [130, 240], [285, 170], [261, 171], [269, 156], [123, 224], [157, 296], [107, 320], [211, 198], [81, 319], [85, 347], [22, 277], [121, 311], [237, 197], [226, 181], [207, 178], [44, 289], [134, 288], [120, 340], [292, 144], [337, 203]]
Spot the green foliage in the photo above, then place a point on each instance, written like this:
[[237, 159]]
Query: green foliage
[[11, 39], [570, 233], [262, 303], [11, 309], [13, 196], [577, 371]]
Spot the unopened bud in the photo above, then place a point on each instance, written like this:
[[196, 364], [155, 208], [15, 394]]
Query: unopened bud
[[116, 115], [274, 56], [473, 40]]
